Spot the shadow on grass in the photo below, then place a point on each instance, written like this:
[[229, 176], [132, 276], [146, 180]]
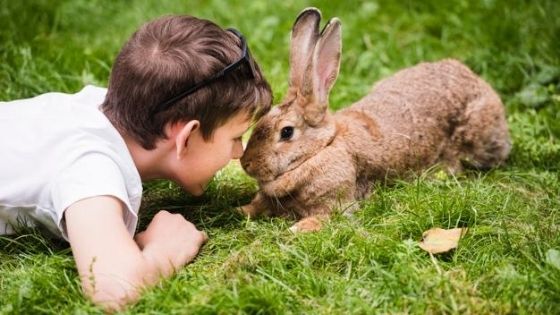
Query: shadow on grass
[[216, 208], [30, 241]]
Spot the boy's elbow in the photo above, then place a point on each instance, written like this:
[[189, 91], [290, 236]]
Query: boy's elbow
[[112, 293]]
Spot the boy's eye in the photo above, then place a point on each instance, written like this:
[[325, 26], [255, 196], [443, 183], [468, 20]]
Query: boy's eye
[[286, 133]]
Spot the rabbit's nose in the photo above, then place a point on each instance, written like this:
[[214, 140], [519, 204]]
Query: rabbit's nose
[[249, 166], [246, 163]]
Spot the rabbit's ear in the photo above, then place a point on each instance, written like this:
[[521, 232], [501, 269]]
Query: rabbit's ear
[[319, 78], [305, 34]]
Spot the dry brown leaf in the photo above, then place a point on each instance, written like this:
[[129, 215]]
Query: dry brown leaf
[[438, 240]]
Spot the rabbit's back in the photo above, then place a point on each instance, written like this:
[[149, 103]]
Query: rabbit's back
[[419, 110], [426, 95]]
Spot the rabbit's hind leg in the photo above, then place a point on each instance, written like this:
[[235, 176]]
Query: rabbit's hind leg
[[483, 140]]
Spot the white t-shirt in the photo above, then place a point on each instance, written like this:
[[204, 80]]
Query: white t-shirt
[[56, 149]]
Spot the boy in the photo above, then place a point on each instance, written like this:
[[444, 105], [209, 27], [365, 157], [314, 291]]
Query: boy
[[181, 94]]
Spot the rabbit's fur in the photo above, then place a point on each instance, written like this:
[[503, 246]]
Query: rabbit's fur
[[431, 113]]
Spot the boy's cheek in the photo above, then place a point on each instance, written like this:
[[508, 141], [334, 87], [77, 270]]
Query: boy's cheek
[[195, 190]]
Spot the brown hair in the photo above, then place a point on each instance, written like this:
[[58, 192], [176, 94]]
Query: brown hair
[[166, 56]]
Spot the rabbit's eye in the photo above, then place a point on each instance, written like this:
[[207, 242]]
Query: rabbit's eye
[[286, 133]]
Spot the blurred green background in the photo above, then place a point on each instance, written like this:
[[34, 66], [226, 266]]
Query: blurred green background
[[509, 263]]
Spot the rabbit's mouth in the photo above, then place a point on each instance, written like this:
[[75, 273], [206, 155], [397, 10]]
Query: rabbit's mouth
[[266, 175], [280, 184], [294, 164], [268, 179]]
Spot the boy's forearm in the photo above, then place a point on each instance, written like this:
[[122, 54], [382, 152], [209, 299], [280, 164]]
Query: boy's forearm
[[152, 263], [113, 267], [116, 289]]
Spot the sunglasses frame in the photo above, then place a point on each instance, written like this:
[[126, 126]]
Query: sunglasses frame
[[245, 56]]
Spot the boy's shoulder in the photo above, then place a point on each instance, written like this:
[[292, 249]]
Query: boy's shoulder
[[55, 121], [73, 150], [59, 126], [89, 96]]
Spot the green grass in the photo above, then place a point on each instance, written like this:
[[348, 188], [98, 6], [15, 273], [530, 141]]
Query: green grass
[[366, 264]]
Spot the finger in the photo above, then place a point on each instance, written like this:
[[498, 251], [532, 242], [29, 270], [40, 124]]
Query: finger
[[204, 238], [140, 239], [162, 212], [188, 224]]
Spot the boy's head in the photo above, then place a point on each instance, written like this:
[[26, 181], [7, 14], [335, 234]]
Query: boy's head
[[168, 57], [186, 81]]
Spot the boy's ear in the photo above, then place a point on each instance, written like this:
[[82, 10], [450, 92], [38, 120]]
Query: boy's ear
[[183, 135]]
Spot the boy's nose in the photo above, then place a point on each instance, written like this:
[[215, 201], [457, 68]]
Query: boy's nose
[[237, 151]]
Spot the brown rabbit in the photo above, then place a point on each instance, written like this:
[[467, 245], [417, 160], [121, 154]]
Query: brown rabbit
[[307, 160]]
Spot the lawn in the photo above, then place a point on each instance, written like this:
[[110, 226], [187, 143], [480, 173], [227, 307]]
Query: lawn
[[509, 261]]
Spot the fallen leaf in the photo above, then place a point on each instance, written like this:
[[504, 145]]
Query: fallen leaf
[[438, 240], [553, 258]]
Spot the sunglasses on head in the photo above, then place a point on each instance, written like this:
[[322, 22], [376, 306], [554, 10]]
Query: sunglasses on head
[[245, 57]]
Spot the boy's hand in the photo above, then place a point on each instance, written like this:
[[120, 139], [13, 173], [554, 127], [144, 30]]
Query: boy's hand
[[112, 267], [170, 241]]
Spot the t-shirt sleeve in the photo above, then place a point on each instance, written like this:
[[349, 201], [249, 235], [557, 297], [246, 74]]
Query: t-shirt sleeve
[[92, 174]]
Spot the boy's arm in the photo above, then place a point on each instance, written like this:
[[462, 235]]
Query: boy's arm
[[113, 267]]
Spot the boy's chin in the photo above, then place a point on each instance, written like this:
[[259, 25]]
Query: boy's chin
[[195, 190]]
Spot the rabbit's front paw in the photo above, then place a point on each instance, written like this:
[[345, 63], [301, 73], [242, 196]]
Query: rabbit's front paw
[[258, 206], [251, 210], [309, 224]]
